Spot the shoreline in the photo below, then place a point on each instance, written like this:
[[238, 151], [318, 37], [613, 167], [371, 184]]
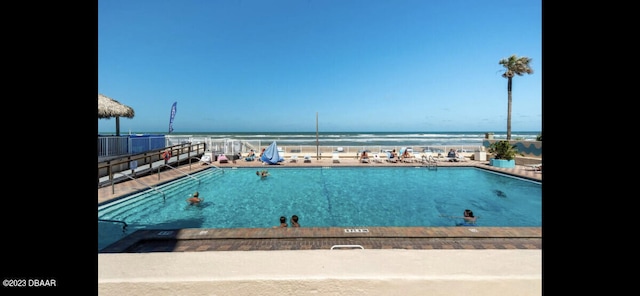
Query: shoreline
[[349, 138]]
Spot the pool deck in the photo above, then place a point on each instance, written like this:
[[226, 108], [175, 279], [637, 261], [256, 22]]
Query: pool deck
[[318, 238]]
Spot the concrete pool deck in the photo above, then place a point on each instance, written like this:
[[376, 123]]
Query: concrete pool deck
[[409, 260], [323, 272]]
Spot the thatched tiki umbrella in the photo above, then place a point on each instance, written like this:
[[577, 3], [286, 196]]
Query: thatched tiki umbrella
[[108, 107]]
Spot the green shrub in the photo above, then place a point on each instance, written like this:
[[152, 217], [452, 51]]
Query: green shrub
[[503, 150]]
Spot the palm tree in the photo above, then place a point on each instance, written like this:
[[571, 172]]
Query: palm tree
[[513, 66]]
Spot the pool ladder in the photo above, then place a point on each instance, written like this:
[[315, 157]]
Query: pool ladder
[[430, 162]]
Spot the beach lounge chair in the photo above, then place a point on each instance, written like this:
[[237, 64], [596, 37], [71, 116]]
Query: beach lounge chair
[[376, 158], [390, 158], [535, 167], [361, 158], [223, 159], [206, 159], [294, 158], [250, 158], [408, 151], [336, 158], [427, 158], [307, 158], [455, 159]]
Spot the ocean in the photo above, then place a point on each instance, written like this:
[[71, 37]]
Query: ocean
[[360, 138]]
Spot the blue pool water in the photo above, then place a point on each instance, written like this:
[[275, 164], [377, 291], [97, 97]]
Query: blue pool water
[[328, 197]]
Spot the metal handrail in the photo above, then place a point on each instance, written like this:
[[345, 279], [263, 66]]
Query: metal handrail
[[134, 179], [210, 164], [429, 161], [167, 165], [124, 226]]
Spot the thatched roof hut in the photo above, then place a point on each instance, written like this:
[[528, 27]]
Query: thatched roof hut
[[108, 108]]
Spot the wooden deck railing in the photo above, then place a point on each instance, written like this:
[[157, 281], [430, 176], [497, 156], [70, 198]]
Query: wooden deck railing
[[112, 170]]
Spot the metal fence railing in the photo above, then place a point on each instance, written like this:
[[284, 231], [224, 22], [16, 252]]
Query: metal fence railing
[[114, 146]]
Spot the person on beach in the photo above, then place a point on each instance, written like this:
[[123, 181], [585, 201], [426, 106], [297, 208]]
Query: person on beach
[[283, 222], [394, 154], [469, 219], [453, 155], [251, 156], [236, 156], [406, 154], [261, 153], [195, 199], [364, 156], [294, 221]]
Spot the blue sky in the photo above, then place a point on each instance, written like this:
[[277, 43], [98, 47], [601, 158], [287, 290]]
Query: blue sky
[[361, 65]]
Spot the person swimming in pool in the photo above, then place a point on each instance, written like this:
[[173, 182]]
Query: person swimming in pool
[[294, 221], [469, 219], [283, 222], [263, 174], [195, 199]]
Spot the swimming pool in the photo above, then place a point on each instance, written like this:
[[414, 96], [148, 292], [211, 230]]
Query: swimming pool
[[328, 197]]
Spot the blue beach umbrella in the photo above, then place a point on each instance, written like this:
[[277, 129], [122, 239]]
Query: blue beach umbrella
[[271, 154]]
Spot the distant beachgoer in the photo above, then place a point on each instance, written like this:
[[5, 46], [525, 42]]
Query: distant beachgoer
[[406, 154], [261, 153], [195, 199], [283, 222], [453, 155], [251, 156], [469, 219], [394, 154], [364, 155], [236, 157], [294, 221]]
